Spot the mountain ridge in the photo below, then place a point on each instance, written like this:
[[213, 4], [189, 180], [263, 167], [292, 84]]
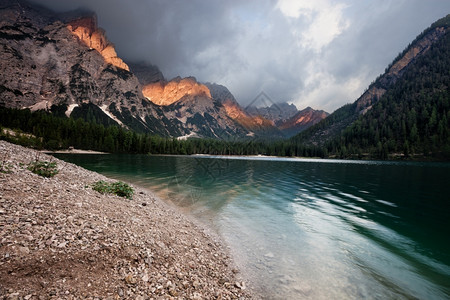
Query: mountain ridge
[[45, 66], [336, 122], [404, 112], [64, 63]]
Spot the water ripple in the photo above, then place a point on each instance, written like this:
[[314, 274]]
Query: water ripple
[[318, 229]]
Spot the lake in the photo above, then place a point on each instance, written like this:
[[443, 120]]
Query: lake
[[311, 229]]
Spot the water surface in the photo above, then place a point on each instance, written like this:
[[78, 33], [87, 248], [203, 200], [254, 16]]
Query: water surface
[[312, 229]]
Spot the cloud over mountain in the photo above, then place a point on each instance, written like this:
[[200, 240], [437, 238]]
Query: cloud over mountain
[[313, 53]]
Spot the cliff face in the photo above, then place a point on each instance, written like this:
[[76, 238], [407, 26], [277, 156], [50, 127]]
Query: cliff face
[[86, 29], [165, 93], [193, 105], [45, 65]]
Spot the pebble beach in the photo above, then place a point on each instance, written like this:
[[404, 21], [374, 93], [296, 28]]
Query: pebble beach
[[60, 239]]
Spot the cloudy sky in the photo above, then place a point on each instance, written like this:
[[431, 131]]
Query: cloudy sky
[[318, 53]]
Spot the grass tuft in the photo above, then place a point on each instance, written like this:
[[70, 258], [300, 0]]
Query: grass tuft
[[118, 188]]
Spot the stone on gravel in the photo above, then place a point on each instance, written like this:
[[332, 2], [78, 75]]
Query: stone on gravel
[[60, 239]]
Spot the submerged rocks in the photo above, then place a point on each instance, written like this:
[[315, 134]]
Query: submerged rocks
[[60, 239]]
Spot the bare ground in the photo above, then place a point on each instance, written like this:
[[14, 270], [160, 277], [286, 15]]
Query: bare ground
[[59, 239]]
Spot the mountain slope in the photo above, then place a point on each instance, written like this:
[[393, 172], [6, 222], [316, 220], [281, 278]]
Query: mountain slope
[[301, 121], [333, 125], [256, 125], [411, 118], [406, 111], [65, 63], [277, 112], [287, 118]]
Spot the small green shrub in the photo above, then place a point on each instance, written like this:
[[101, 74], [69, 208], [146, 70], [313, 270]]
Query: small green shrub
[[101, 186], [43, 168], [122, 189], [5, 168], [118, 188]]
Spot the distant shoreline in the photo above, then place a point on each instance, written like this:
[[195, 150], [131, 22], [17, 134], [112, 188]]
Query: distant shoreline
[[74, 151], [396, 158]]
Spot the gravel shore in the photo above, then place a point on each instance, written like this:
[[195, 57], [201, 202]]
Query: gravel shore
[[59, 239]]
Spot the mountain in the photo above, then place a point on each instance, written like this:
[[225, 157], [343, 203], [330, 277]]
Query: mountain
[[277, 112], [167, 92], [65, 64], [88, 32], [406, 110], [256, 125], [301, 121], [287, 118]]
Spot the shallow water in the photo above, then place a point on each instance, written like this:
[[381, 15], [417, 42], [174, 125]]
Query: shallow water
[[312, 229]]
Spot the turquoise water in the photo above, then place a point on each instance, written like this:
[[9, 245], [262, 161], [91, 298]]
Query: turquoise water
[[312, 229]]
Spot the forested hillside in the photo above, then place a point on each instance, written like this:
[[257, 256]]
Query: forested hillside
[[405, 112], [413, 117], [43, 130]]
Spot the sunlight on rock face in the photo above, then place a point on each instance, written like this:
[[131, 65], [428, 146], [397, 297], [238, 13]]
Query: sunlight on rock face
[[87, 31], [166, 93], [238, 114]]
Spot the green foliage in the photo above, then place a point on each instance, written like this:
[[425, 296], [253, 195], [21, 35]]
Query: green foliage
[[20, 138], [118, 188], [53, 132], [101, 186], [5, 167], [412, 117], [43, 168]]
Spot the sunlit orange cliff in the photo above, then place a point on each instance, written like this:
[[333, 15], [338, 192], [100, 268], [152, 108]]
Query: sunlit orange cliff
[[166, 93], [87, 31]]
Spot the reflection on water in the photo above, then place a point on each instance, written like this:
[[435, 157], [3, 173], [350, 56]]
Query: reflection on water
[[312, 229]]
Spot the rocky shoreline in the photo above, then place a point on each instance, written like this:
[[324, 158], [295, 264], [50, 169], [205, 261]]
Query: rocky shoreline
[[60, 239]]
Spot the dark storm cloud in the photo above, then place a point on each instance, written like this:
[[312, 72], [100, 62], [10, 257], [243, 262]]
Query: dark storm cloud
[[320, 53]]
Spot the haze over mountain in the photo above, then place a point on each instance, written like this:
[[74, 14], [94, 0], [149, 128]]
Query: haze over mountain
[[66, 64], [321, 54]]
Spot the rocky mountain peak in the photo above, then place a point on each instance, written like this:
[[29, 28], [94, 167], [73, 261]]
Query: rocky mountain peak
[[88, 32], [165, 93], [277, 112]]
